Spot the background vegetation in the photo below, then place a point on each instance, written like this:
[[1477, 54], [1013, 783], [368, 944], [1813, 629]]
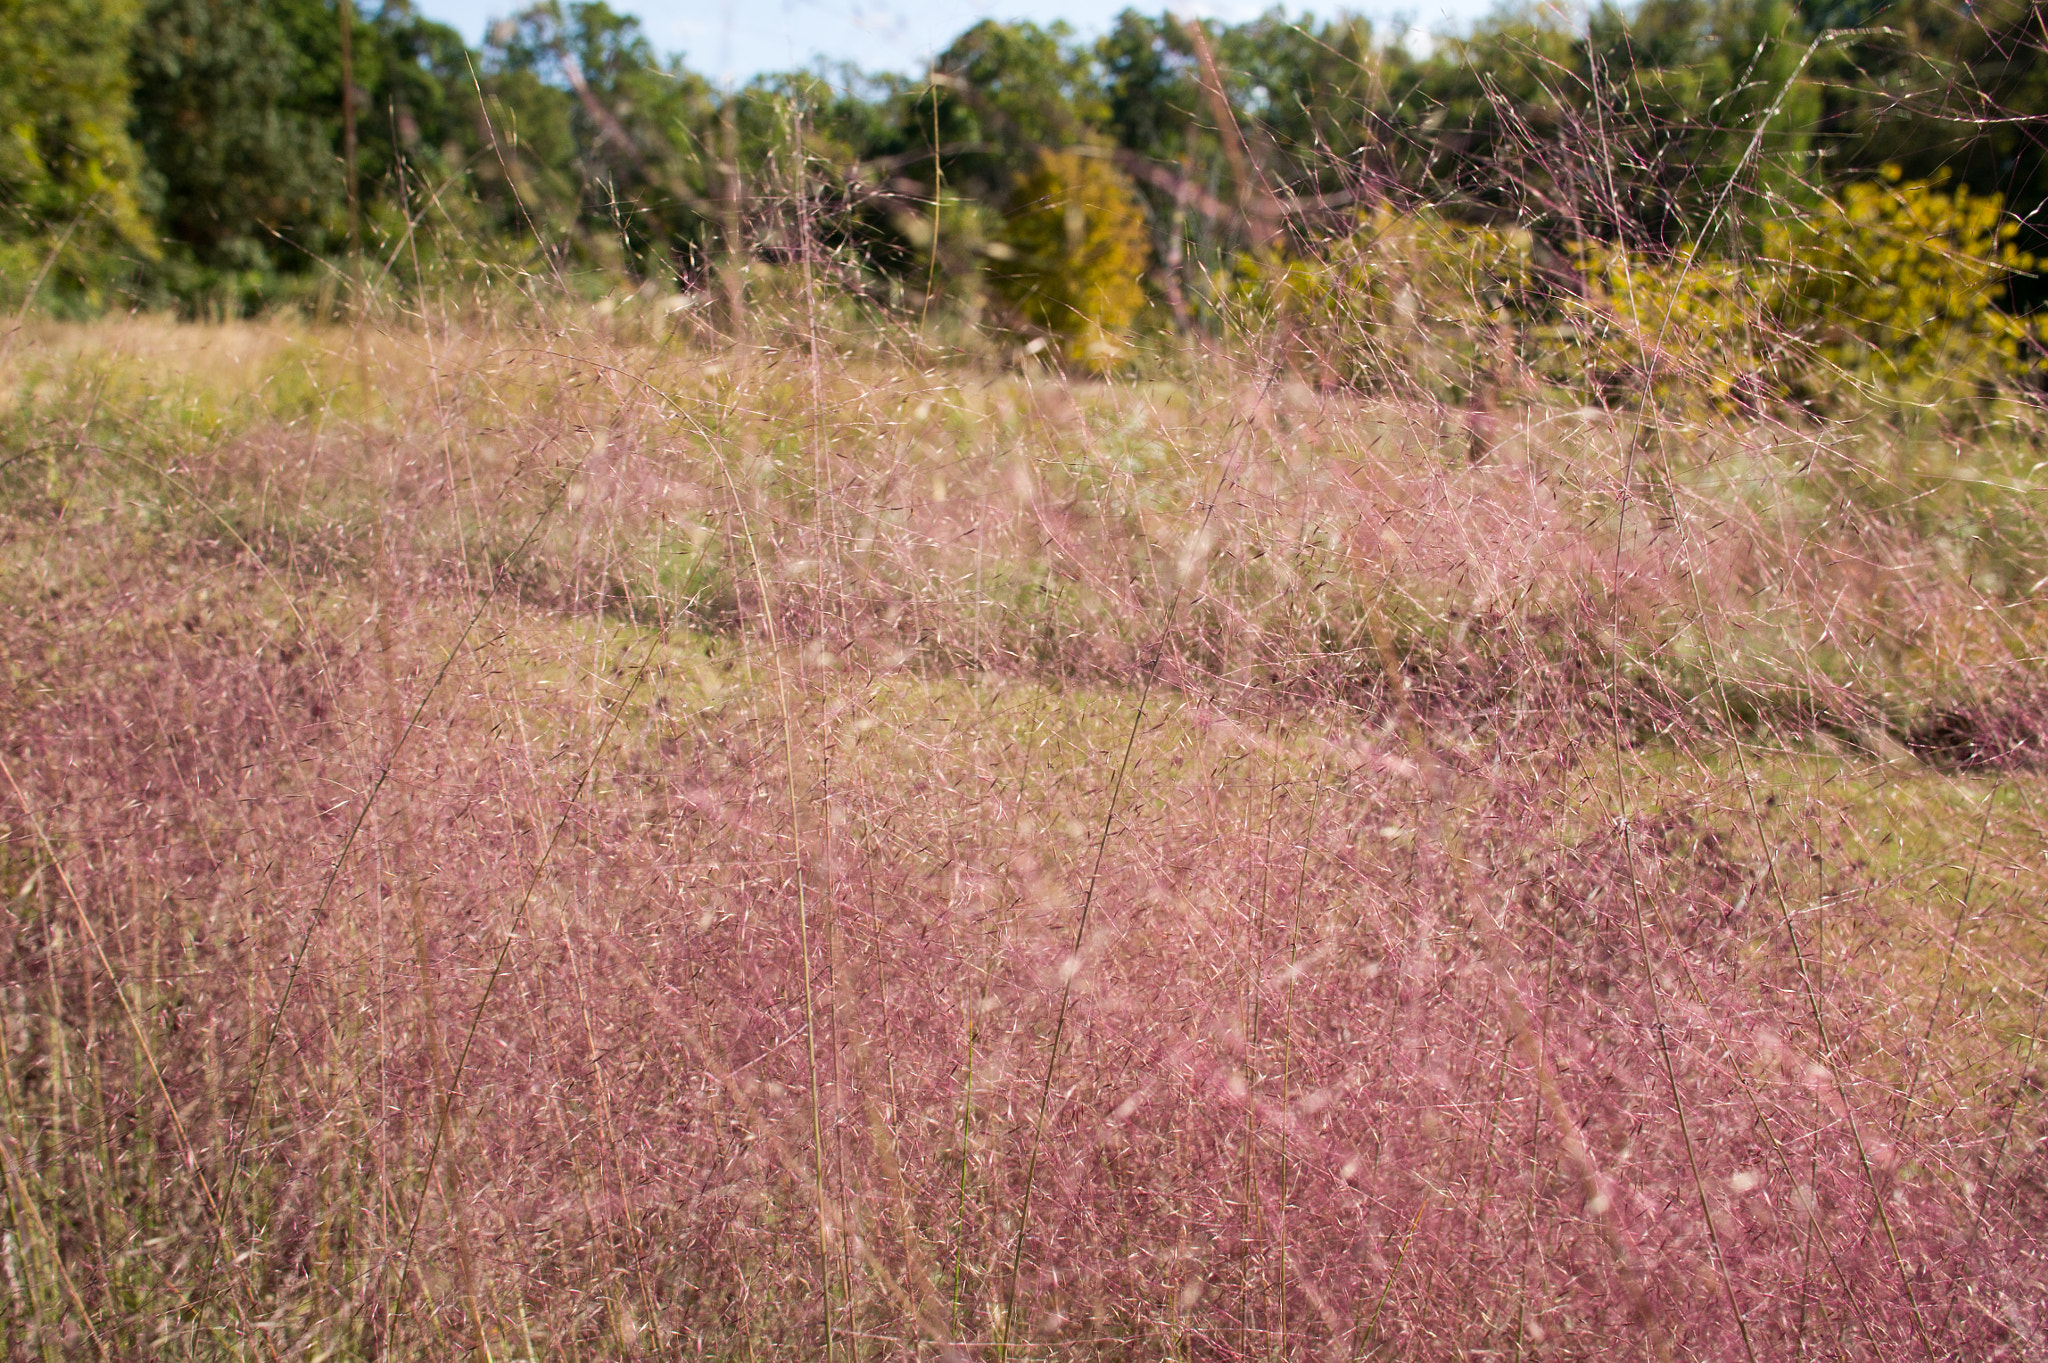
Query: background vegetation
[[201, 154]]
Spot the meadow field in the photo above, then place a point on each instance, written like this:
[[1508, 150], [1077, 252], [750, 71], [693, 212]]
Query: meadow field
[[543, 836]]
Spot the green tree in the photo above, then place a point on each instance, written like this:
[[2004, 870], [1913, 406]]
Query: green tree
[[1005, 92], [1152, 86], [1310, 96], [617, 137], [238, 112], [69, 214], [243, 182]]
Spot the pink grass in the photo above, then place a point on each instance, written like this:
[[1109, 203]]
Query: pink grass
[[1462, 978]]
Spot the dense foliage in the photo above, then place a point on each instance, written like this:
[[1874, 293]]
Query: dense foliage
[[1076, 249], [192, 151], [68, 171]]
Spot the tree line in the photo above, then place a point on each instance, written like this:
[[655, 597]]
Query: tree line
[[212, 154]]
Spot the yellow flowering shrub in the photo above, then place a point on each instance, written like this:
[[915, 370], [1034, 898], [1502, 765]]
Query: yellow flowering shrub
[[1690, 327], [1895, 286], [1902, 279]]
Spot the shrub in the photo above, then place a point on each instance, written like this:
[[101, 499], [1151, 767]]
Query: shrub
[[1894, 286], [1077, 253], [1902, 280], [1404, 300]]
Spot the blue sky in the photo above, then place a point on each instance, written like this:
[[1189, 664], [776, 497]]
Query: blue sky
[[734, 39]]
